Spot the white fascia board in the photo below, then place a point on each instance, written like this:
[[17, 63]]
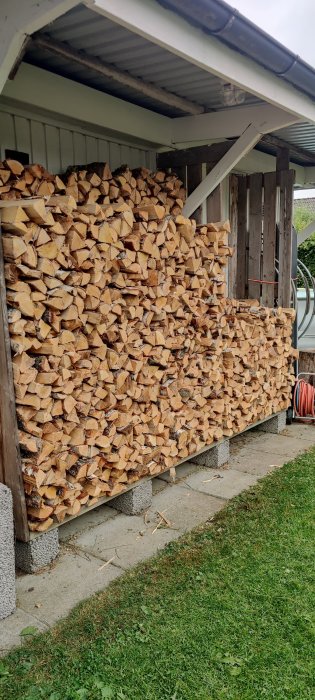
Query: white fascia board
[[21, 19], [230, 123], [41, 89], [166, 29]]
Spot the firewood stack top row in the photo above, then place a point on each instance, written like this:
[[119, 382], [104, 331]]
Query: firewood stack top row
[[127, 356], [94, 183]]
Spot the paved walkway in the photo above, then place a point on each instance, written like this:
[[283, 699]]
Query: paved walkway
[[99, 546]]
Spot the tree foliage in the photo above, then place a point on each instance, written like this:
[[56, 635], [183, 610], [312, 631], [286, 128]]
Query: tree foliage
[[306, 251]]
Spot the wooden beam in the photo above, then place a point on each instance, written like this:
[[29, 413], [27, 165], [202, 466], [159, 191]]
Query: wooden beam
[[194, 155], [269, 240], [285, 237], [18, 21], [230, 123], [297, 153], [244, 144], [242, 237], [122, 77], [283, 159], [10, 461], [255, 235], [232, 264]]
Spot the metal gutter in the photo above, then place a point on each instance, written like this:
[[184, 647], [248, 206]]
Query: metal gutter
[[217, 18]]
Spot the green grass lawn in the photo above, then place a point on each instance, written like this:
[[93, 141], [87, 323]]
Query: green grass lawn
[[223, 614]]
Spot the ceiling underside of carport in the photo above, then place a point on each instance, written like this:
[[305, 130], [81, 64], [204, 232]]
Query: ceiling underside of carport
[[94, 36], [98, 37]]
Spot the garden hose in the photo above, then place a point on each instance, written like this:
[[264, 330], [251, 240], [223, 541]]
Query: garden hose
[[304, 399]]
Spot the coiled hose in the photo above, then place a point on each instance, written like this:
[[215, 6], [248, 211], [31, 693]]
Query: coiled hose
[[304, 399]]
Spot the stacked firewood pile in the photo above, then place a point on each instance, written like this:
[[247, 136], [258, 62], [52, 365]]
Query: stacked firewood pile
[[127, 357], [94, 183]]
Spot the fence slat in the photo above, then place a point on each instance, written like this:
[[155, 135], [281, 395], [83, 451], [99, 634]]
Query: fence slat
[[241, 251], [286, 181], [233, 239], [269, 239], [254, 238]]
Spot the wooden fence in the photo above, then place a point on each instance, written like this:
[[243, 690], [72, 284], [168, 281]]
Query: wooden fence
[[261, 232]]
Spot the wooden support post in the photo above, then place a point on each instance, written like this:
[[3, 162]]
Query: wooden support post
[[283, 159], [194, 177], [214, 203], [242, 238], [286, 181], [10, 461], [269, 240], [232, 264], [255, 237]]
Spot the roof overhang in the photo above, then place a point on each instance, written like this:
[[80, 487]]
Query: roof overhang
[[180, 62]]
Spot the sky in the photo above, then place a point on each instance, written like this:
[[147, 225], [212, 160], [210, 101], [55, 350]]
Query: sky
[[290, 21]]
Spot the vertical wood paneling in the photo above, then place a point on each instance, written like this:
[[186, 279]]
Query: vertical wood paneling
[[103, 151], [57, 147], [53, 148], [79, 148], [242, 237], [66, 150], [38, 139], [23, 135], [255, 237], [91, 149], [286, 181], [7, 132], [125, 155], [114, 156], [269, 240]]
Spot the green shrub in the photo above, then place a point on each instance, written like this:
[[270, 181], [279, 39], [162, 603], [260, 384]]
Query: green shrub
[[306, 251]]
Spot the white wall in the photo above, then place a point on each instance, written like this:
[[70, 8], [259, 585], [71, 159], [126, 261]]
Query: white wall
[[58, 144]]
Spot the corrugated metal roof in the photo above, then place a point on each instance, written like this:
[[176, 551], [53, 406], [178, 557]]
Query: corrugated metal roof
[[302, 135], [84, 30]]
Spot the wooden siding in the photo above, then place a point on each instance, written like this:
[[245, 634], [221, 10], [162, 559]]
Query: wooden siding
[[56, 145]]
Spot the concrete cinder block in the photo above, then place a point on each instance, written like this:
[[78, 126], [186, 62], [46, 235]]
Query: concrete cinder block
[[136, 500], [216, 456], [33, 555], [276, 424], [7, 566]]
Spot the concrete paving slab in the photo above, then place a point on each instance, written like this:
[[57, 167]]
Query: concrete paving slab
[[184, 507], [126, 538], [182, 471], [158, 485], [230, 483], [130, 539], [74, 577], [12, 626], [289, 447], [89, 519], [302, 431], [256, 462]]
